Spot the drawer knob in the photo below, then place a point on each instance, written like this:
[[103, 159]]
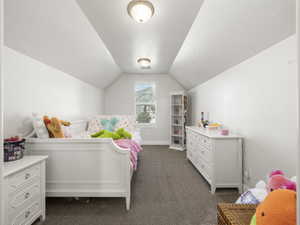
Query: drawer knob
[[27, 195], [27, 175], [27, 213]]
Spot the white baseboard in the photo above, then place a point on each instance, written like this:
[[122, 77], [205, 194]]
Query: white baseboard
[[155, 142]]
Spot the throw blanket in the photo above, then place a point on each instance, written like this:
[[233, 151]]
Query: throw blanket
[[133, 147]]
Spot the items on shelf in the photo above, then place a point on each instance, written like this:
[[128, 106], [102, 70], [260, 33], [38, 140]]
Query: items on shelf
[[178, 120]]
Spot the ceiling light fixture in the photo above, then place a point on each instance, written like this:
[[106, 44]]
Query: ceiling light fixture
[[144, 63], [140, 10]]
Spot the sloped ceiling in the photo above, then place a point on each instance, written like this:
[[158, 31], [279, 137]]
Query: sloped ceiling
[[57, 33], [227, 32], [96, 40], [159, 39]]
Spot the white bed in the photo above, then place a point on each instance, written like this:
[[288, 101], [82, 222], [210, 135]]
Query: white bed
[[84, 167]]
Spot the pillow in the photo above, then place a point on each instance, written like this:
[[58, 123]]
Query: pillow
[[109, 125], [67, 132], [39, 126], [93, 126]]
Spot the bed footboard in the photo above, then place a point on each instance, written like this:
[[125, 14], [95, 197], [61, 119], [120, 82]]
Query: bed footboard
[[84, 167]]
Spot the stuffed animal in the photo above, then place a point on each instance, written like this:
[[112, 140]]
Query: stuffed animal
[[119, 134], [123, 134], [279, 208], [54, 126], [277, 180]]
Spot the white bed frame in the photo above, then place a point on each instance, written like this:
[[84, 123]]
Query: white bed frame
[[84, 167]]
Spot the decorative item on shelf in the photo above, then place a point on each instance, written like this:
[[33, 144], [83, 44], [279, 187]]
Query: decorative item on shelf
[[203, 123], [213, 126], [224, 132]]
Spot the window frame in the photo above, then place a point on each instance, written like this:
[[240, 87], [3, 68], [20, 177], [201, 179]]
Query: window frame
[[146, 103]]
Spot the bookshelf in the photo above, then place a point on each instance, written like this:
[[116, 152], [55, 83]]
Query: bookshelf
[[179, 103]]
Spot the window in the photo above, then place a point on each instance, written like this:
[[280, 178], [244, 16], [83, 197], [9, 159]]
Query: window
[[145, 103]]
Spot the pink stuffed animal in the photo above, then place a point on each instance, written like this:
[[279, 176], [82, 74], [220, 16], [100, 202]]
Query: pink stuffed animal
[[277, 180]]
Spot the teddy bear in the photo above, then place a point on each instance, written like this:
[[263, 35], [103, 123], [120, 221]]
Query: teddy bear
[[277, 180], [54, 126], [279, 208]]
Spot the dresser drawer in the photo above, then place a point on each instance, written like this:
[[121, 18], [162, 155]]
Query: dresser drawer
[[23, 177], [27, 215], [23, 197], [206, 154], [204, 141], [204, 168]]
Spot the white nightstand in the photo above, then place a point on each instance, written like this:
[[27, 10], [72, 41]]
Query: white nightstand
[[24, 190]]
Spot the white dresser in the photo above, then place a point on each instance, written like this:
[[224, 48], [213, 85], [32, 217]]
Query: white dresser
[[24, 190], [218, 158]]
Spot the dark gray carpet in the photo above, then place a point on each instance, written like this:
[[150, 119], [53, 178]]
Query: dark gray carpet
[[166, 190]]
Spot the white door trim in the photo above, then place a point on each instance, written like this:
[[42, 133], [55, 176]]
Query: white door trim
[[298, 70], [1, 114]]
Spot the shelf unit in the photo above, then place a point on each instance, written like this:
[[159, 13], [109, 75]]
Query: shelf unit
[[179, 103]]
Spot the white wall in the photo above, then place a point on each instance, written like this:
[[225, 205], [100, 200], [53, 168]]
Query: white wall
[[1, 117], [258, 99], [119, 99], [31, 86]]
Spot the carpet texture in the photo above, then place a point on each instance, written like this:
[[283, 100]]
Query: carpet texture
[[166, 190]]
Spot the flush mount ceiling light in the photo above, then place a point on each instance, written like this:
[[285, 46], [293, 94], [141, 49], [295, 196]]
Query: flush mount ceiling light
[[144, 63], [140, 10]]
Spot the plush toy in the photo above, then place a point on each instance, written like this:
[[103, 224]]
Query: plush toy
[[123, 134], [277, 180], [279, 208], [54, 126], [119, 134]]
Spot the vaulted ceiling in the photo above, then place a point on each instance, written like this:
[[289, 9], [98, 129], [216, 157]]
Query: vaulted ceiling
[[227, 32], [96, 40]]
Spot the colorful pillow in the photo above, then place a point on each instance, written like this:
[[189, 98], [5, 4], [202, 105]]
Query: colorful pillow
[[124, 121], [109, 125], [93, 126]]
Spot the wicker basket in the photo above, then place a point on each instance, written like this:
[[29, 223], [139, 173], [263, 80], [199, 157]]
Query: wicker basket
[[235, 214], [14, 150]]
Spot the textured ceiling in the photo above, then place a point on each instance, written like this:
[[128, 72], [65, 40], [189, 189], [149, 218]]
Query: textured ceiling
[[227, 32], [96, 40]]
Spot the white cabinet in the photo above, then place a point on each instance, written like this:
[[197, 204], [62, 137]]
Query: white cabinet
[[218, 158], [24, 190]]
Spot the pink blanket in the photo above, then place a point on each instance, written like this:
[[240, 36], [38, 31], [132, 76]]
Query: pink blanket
[[133, 147]]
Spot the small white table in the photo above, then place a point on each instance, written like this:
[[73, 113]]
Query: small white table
[[24, 190]]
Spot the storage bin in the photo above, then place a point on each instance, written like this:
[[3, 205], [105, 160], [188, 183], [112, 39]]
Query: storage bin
[[14, 150]]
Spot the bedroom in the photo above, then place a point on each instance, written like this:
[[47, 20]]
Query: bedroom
[[160, 70]]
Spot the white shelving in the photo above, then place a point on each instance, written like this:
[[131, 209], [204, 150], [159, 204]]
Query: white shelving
[[178, 120]]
